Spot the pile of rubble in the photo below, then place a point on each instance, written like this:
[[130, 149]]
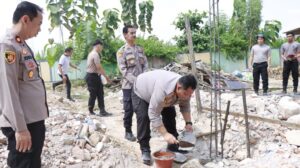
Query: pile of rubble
[[272, 144], [275, 73], [206, 76], [74, 139]]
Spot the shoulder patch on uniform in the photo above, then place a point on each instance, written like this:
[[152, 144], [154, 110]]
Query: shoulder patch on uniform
[[140, 49], [120, 53], [10, 57]]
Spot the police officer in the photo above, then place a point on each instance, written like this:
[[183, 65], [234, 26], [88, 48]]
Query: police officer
[[62, 70], [131, 62], [93, 79], [23, 106], [155, 94], [289, 53], [260, 59]]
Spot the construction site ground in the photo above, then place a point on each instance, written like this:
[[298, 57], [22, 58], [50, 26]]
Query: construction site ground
[[270, 146]]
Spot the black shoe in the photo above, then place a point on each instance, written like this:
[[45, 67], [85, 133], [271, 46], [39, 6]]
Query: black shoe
[[146, 158], [265, 94], [53, 87], [104, 114], [295, 91], [70, 99], [256, 92], [283, 92], [175, 148], [129, 136], [92, 113]]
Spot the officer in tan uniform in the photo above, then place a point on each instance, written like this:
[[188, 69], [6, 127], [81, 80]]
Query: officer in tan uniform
[[131, 62], [154, 97], [94, 71], [23, 106]]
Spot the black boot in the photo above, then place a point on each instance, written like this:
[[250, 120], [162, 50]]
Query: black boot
[[104, 113], [295, 90], [91, 111], [129, 136], [284, 90], [146, 156]]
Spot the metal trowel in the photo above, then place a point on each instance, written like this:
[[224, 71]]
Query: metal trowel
[[187, 139]]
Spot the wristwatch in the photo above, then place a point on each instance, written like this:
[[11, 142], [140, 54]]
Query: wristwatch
[[188, 122]]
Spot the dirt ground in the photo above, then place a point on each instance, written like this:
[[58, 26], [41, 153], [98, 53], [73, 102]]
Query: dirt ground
[[268, 141]]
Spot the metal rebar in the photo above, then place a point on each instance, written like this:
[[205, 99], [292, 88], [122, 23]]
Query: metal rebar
[[246, 123], [224, 128], [211, 92], [215, 86]]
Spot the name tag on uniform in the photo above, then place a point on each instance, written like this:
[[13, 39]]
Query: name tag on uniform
[[130, 59], [29, 62]]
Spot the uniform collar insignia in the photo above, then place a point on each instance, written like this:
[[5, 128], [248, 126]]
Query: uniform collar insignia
[[18, 39]]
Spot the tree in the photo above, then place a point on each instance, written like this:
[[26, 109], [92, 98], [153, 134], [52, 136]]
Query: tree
[[153, 47], [81, 19], [85, 25], [271, 31], [199, 28], [129, 13], [244, 26]]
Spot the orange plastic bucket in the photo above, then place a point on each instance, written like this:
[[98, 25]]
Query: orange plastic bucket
[[163, 159]]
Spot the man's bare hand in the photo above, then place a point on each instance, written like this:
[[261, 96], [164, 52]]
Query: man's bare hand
[[170, 138], [23, 141], [189, 128], [108, 80]]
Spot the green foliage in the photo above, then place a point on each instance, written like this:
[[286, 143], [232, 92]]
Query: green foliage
[[199, 28], [38, 56], [129, 13], [253, 20], [85, 25], [279, 41], [53, 52], [243, 28], [154, 47], [145, 16], [234, 46], [271, 31], [70, 13], [110, 50], [298, 39]]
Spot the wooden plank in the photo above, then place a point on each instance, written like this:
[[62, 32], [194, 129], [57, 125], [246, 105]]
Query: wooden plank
[[192, 59], [259, 118]]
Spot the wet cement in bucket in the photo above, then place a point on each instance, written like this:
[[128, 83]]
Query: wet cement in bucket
[[163, 159]]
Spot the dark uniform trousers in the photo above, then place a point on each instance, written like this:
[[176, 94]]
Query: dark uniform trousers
[[31, 158], [143, 122], [68, 85], [95, 88], [260, 69], [128, 109], [289, 66]]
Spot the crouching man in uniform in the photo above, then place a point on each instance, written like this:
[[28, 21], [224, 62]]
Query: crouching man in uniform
[[155, 94]]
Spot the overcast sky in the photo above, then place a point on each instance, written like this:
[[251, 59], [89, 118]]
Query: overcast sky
[[165, 12]]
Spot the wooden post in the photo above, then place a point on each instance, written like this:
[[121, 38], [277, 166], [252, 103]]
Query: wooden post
[[192, 60], [246, 123]]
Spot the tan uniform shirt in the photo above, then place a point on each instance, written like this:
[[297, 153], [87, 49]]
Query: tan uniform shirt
[[92, 60], [23, 94], [158, 89], [131, 62]]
